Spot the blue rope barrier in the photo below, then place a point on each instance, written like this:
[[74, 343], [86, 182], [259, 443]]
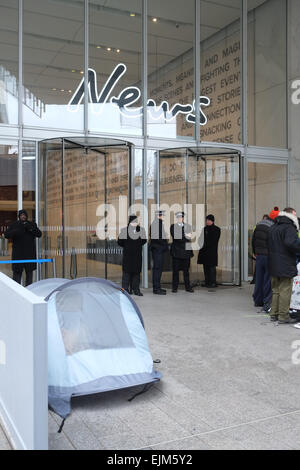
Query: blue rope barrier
[[18, 261]]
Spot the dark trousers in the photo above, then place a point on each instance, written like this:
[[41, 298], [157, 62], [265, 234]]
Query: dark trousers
[[263, 291], [17, 276], [131, 281], [157, 257], [210, 274], [181, 265]]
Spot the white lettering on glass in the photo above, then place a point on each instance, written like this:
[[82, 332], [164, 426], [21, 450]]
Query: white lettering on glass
[[130, 95]]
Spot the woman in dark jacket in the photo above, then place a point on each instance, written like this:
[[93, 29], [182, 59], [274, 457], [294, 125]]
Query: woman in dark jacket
[[23, 234], [131, 239], [208, 255]]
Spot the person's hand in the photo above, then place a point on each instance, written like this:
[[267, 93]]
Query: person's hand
[[28, 226]]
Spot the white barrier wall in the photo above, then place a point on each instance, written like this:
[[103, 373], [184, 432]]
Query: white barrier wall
[[23, 366]]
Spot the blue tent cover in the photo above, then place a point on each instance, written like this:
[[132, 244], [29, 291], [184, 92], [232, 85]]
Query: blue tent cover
[[96, 340]]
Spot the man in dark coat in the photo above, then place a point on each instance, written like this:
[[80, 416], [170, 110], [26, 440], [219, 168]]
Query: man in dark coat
[[283, 246], [131, 239], [262, 295], [208, 254], [158, 246], [23, 234], [181, 254]]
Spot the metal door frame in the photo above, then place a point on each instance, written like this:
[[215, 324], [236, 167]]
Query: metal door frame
[[130, 152], [199, 152]]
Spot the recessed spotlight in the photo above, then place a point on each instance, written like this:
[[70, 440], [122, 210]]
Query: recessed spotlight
[[73, 70], [154, 20], [108, 48], [53, 89], [98, 47], [118, 50], [82, 72], [62, 90], [70, 91], [132, 14]]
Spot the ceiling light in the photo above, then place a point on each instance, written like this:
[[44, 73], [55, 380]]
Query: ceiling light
[[81, 71], [118, 50], [132, 14], [70, 91], [154, 20], [98, 47], [73, 70], [54, 89], [62, 90], [108, 48]]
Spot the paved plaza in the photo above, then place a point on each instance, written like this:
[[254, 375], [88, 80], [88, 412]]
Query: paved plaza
[[228, 382]]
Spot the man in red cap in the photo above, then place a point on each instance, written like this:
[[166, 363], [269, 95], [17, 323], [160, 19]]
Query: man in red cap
[[274, 213], [283, 247]]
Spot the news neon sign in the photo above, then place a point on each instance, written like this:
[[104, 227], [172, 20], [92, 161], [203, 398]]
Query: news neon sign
[[130, 95]]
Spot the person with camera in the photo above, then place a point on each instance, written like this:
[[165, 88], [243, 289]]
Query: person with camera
[[23, 234]]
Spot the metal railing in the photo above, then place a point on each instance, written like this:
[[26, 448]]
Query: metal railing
[[38, 261]]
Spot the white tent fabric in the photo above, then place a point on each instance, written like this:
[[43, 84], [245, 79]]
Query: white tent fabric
[[96, 340]]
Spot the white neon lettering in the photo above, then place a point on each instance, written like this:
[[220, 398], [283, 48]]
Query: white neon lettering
[[130, 95]]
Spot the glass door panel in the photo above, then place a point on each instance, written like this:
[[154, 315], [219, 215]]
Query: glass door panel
[[203, 182], [95, 246], [80, 186], [117, 200], [172, 194], [222, 200], [50, 206], [75, 214]]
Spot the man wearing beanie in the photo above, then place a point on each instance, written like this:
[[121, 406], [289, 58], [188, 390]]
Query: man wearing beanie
[[274, 213], [283, 247], [23, 234], [208, 255]]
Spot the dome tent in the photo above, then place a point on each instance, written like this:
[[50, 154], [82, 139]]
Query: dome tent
[[96, 340]]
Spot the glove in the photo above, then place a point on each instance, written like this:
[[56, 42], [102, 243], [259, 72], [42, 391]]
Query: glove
[[28, 226]]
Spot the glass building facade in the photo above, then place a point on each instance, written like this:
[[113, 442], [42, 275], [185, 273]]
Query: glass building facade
[[95, 93]]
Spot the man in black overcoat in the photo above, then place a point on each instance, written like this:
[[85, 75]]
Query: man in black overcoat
[[23, 234], [208, 254], [131, 239], [180, 251], [158, 246]]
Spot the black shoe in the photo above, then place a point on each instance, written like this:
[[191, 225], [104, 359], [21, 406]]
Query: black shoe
[[214, 285], [160, 292], [290, 321], [189, 289], [138, 292], [273, 317], [174, 291], [266, 308], [204, 284], [258, 305]]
